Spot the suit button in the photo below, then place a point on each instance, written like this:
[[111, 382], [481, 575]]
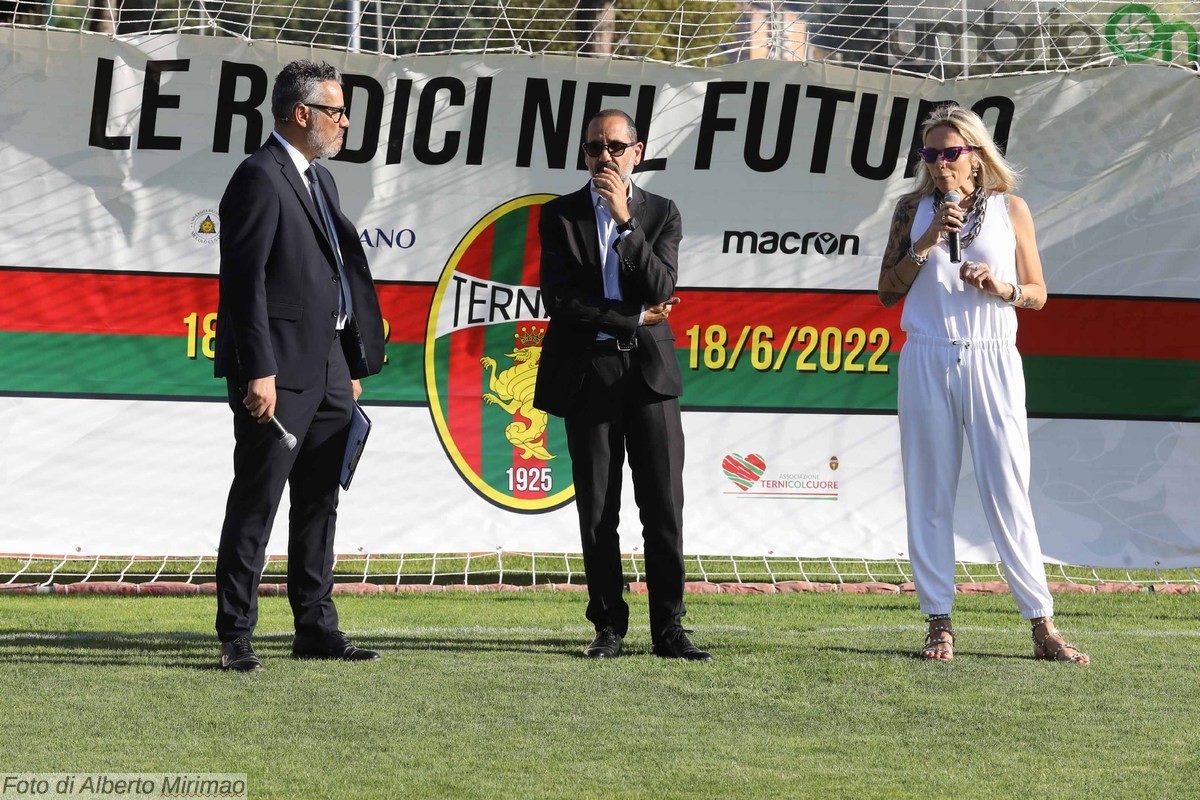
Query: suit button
[[334, 278], [333, 314]]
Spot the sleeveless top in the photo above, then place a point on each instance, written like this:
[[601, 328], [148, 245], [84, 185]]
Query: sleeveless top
[[943, 306]]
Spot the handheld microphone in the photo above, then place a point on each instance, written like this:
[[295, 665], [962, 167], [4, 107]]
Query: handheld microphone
[[287, 440], [954, 198]]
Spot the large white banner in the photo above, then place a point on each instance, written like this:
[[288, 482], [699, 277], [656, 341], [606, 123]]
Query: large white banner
[[114, 438]]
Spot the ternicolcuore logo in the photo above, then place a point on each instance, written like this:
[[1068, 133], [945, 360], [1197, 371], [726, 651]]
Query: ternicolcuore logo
[[483, 345]]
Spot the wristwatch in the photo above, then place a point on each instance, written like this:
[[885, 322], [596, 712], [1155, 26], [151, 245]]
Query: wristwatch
[[1016, 295], [628, 225]]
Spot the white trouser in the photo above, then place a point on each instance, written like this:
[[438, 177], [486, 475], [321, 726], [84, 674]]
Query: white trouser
[[977, 387]]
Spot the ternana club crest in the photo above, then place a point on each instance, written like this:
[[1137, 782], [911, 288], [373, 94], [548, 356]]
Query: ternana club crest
[[483, 344]]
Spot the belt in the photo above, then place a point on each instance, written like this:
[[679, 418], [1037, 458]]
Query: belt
[[615, 345]]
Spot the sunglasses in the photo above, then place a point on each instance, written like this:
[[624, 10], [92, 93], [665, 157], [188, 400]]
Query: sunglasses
[[931, 154], [615, 149]]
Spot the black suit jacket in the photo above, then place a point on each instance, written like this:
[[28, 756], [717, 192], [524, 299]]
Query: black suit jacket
[[573, 290], [279, 291]]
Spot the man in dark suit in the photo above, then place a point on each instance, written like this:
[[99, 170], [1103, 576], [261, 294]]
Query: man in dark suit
[[609, 265], [298, 325]]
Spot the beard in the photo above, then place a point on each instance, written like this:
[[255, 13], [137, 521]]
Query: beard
[[602, 165], [325, 145]]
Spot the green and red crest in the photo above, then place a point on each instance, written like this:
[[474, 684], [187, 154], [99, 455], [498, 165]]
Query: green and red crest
[[482, 349]]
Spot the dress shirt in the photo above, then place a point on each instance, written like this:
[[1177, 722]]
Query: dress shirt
[[607, 234]]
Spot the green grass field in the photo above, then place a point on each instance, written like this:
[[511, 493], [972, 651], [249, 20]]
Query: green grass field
[[486, 696]]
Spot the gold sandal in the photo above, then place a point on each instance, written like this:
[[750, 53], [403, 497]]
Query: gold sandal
[[1052, 646]]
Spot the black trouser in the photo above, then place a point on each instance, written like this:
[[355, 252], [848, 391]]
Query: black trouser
[[319, 418], [621, 414]]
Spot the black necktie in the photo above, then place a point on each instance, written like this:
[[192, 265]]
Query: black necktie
[[345, 306]]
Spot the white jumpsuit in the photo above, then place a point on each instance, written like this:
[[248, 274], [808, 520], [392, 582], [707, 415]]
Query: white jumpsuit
[[960, 372]]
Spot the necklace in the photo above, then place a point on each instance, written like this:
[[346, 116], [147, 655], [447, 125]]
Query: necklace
[[974, 218]]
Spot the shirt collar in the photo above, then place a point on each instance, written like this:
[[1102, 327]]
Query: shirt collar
[[297, 157]]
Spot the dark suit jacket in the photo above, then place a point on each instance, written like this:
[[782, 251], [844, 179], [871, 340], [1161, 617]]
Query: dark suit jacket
[[279, 295], [573, 291]]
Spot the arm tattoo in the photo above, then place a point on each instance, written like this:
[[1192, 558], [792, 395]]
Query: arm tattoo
[[898, 241], [897, 248]]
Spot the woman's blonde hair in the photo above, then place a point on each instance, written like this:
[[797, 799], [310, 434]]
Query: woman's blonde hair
[[996, 174]]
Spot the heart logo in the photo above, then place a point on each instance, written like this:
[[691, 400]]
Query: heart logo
[[743, 470]]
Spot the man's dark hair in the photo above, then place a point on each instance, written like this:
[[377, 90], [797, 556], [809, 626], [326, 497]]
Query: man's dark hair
[[299, 82], [616, 112]]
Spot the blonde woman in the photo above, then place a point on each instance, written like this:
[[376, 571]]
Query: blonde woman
[[960, 374]]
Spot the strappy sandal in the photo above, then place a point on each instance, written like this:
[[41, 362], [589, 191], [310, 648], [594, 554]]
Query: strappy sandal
[[1052, 645], [939, 648]]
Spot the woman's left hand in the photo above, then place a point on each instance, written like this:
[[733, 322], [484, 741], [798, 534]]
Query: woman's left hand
[[979, 275]]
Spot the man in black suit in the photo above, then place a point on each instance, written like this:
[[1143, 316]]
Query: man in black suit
[[298, 325], [609, 265]]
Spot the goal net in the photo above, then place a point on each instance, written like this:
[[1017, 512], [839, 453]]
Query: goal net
[[785, 130], [939, 38]]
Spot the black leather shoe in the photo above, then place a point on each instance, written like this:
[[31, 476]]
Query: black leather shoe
[[333, 646], [675, 644], [606, 645], [238, 655]]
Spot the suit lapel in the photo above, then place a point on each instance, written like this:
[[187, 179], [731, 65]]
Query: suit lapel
[[583, 218], [288, 167]]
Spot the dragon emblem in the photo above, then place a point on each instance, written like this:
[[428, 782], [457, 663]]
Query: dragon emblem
[[512, 390]]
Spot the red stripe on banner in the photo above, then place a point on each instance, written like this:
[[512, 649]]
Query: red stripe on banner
[[406, 308], [1098, 327], [530, 276], [45, 301], [42, 301], [1109, 327], [464, 406], [781, 311]]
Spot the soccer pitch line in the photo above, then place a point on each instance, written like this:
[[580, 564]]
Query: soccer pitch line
[[584, 630], [1072, 629]]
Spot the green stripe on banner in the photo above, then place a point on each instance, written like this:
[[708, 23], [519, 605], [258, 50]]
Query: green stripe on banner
[[441, 371], [155, 366], [1062, 386], [1057, 386], [508, 262], [158, 366], [747, 388], [97, 364], [403, 377]]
